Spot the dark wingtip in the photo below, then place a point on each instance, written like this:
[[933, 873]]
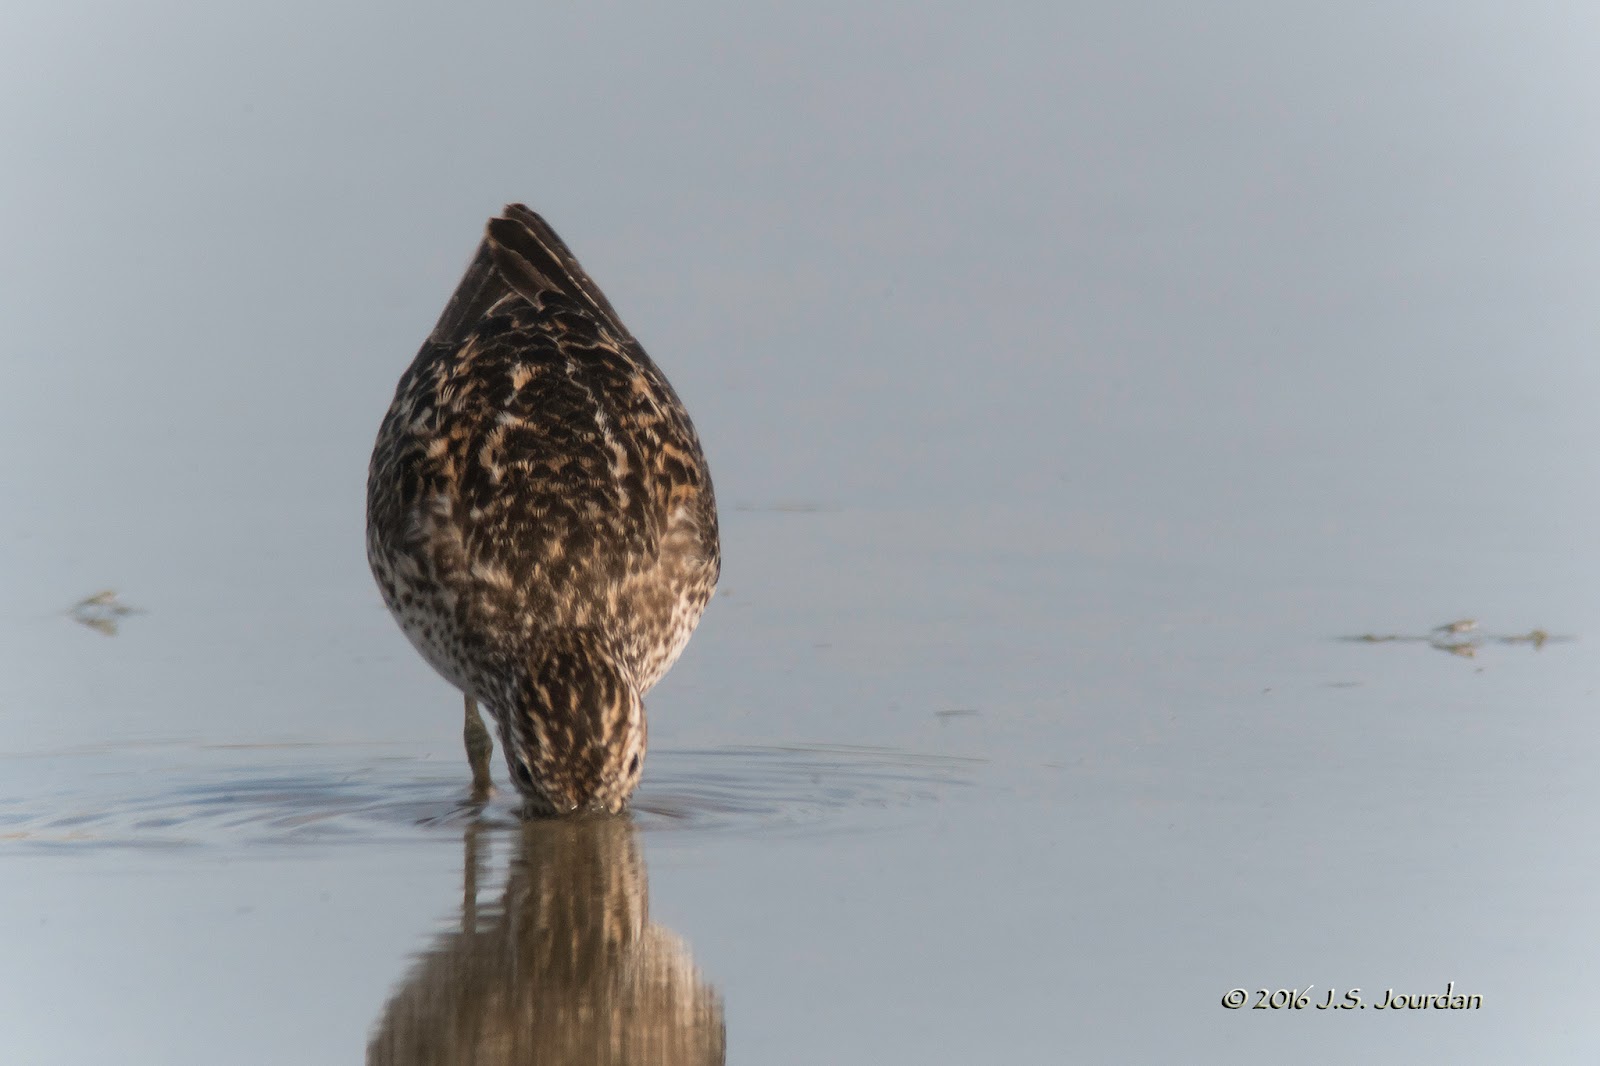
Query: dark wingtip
[[533, 258], [520, 253]]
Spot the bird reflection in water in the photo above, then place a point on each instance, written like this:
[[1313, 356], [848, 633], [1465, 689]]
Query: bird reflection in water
[[568, 968]]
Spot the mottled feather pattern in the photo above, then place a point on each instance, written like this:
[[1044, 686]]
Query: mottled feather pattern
[[540, 517]]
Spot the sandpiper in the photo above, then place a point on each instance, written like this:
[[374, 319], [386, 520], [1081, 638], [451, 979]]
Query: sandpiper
[[541, 521]]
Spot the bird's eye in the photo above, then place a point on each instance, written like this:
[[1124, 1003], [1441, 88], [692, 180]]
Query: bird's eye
[[633, 764]]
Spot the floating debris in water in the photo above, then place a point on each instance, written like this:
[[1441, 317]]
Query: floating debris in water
[[1463, 638], [102, 612]]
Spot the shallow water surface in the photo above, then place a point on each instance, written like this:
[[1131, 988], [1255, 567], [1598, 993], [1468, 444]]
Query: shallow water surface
[[225, 797], [1091, 391]]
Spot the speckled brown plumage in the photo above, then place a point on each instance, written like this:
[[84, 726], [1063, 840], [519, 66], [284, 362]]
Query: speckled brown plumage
[[540, 518]]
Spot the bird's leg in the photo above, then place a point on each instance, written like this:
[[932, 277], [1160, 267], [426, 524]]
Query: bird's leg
[[472, 870], [479, 747]]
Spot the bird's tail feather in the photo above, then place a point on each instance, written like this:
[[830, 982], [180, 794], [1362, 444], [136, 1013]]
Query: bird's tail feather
[[520, 253]]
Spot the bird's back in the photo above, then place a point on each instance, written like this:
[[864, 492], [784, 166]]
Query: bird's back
[[536, 472]]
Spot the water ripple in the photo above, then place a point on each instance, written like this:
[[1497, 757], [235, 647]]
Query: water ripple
[[185, 797]]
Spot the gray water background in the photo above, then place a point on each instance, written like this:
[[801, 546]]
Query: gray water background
[[1074, 377]]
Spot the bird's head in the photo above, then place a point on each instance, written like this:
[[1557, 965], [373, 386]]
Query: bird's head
[[573, 729]]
